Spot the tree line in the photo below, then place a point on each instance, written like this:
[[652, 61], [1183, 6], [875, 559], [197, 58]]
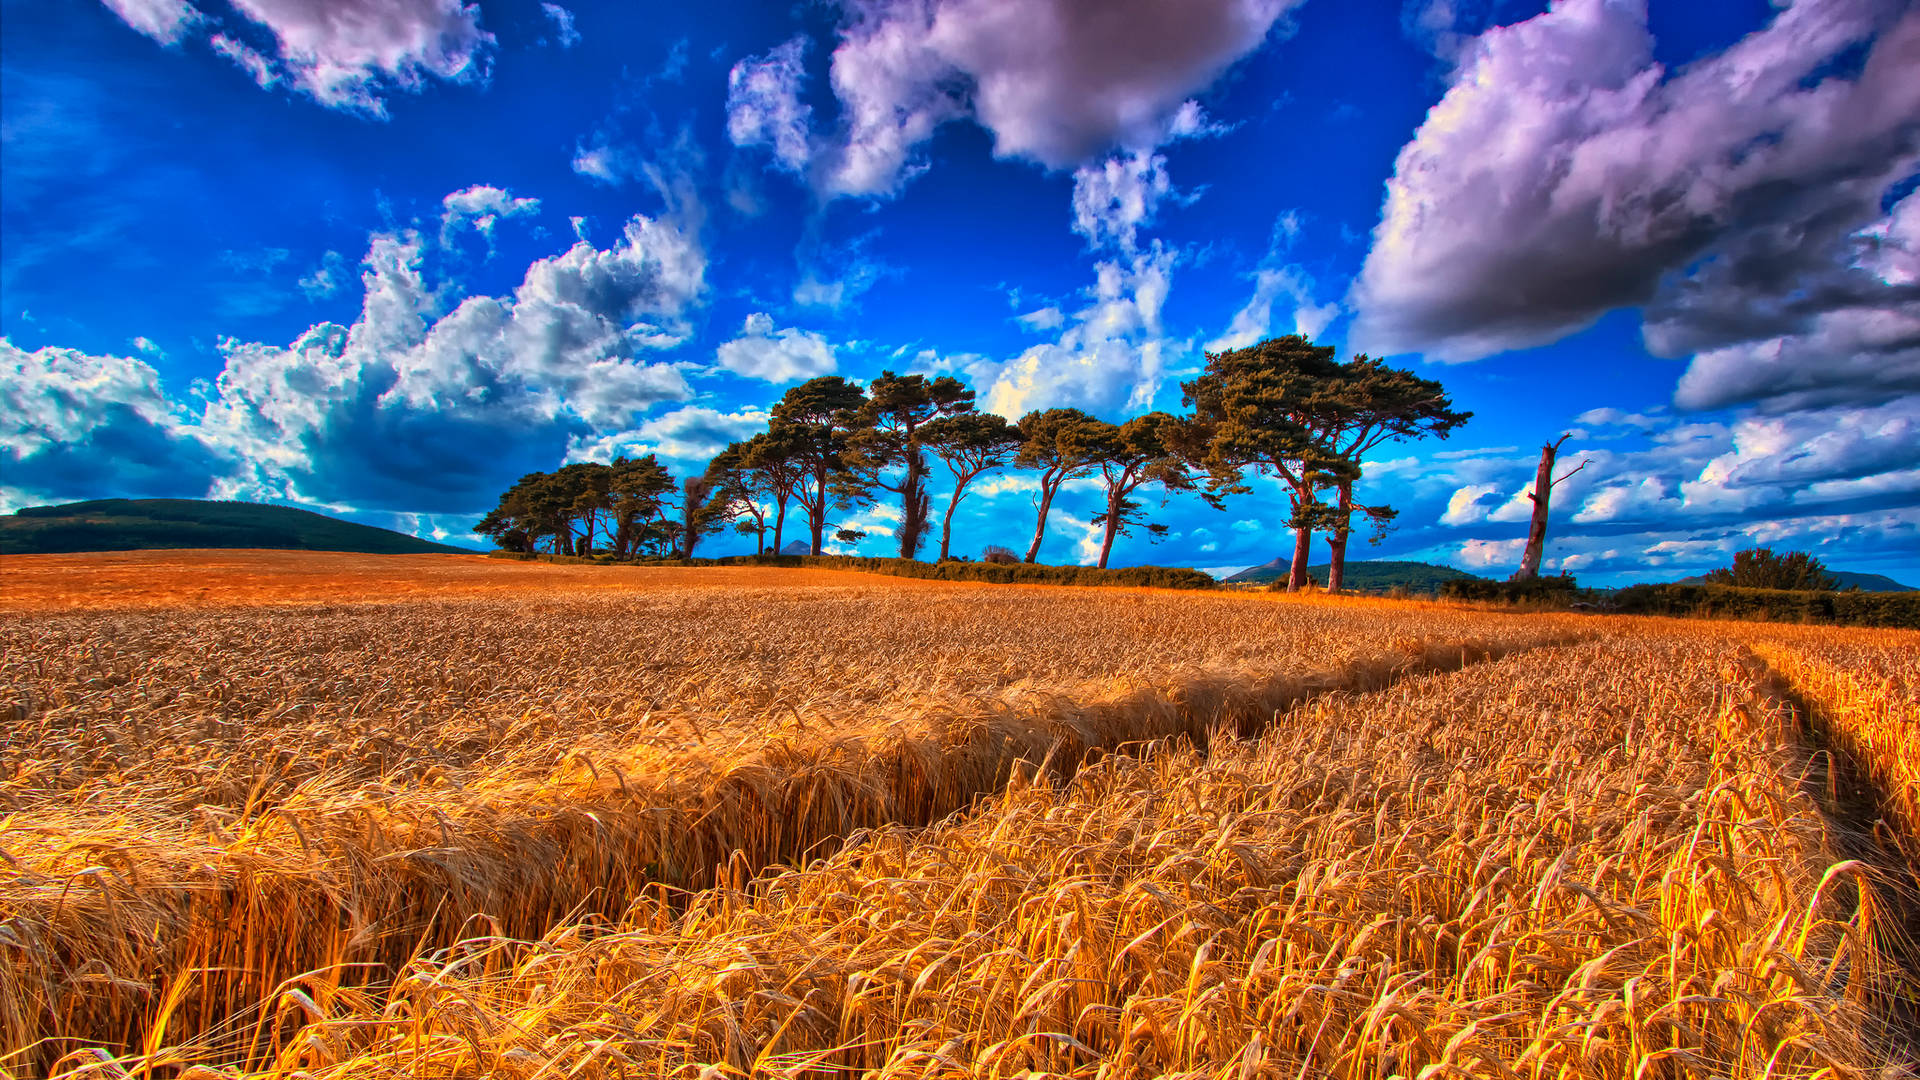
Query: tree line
[[1284, 408]]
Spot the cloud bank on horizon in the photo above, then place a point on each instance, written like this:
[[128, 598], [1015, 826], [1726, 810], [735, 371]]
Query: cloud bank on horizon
[[1691, 242]]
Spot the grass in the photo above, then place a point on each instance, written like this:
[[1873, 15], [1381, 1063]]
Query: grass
[[797, 825]]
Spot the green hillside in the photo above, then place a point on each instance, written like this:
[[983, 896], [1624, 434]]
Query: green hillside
[[136, 524], [1847, 579], [1369, 574]]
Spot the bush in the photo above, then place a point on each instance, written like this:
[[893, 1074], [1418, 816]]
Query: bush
[[999, 555], [1017, 573], [1888, 609], [1558, 591]]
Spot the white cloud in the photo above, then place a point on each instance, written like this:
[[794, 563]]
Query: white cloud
[[1487, 554], [75, 423], [1464, 506], [563, 28], [325, 279], [776, 356], [1046, 318], [1113, 199], [165, 21], [406, 409], [692, 434], [1111, 356], [480, 207], [764, 108]]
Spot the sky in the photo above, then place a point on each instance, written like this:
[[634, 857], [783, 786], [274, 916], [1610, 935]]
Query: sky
[[383, 257]]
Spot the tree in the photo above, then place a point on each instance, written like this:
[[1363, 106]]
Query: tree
[[1064, 445], [811, 423], [516, 523], [773, 457], [703, 506], [637, 492], [1372, 404], [1141, 451], [970, 443], [1543, 485], [1269, 407], [1760, 568], [886, 437]]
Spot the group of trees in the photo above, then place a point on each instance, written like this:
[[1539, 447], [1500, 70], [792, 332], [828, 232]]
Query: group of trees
[[1285, 407]]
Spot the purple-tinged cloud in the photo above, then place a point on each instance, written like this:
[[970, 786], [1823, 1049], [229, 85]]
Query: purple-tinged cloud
[[1565, 173], [344, 54]]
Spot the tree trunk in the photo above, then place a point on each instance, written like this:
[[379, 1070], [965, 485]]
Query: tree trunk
[[1337, 540], [817, 510], [1302, 551], [1113, 530], [780, 523], [1040, 527], [946, 524], [913, 506], [1537, 530]]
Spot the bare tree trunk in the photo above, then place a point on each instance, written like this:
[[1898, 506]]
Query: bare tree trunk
[[1543, 482], [1113, 530], [1302, 551], [1040, 527], [779, 523], [946, 523], [1337, 540]]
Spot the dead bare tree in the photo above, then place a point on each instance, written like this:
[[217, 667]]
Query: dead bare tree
[[1543, 484]]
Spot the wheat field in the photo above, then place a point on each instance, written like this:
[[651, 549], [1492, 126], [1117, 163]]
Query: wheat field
[[336, 816]]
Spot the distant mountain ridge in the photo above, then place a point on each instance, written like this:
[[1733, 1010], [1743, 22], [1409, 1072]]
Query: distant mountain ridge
[[1360, 574], [141, 524], [1847, 579]]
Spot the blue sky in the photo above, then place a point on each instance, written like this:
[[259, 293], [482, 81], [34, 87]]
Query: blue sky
[[384, 256]]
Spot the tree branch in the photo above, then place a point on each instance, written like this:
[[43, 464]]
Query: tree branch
[[1583, 464]]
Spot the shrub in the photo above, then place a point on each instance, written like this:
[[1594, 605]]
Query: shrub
[[1889, 609], [1557, 591]]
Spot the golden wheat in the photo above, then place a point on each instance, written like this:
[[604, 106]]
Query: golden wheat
[[547, 834]]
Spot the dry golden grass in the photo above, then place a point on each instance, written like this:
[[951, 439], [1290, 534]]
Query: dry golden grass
[[229, 830], [236, 577]]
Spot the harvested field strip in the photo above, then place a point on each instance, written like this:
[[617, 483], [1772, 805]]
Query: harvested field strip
[[1574, 863], [115, 921]]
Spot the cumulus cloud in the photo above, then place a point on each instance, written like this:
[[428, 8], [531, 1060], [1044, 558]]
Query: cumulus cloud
[[1111, 356], [695, 433], [776, 356], [1852, 326], [1112, 200], [1464, 505], [1565, 173], [344, 54], [74, 423], [408, 408], [480, 207], [764, 107]]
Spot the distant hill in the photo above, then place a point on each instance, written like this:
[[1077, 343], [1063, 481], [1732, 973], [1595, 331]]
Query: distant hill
[[1846, 578], [1365, 574], [135, 524], [797, 547]]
